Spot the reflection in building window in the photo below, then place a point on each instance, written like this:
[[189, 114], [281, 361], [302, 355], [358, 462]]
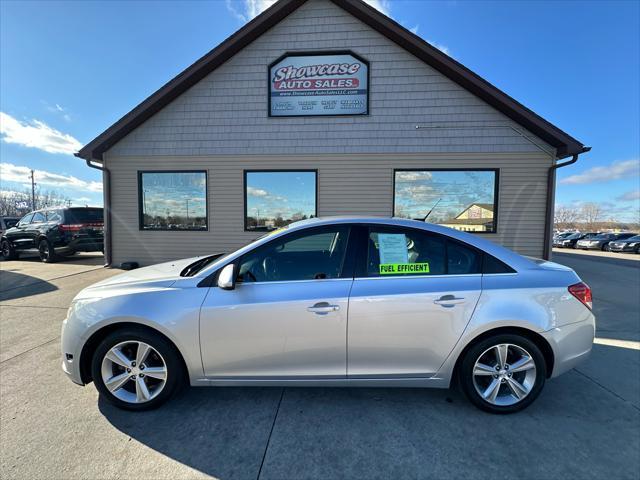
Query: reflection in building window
[[274, 199], [173, 200], [462, 199]]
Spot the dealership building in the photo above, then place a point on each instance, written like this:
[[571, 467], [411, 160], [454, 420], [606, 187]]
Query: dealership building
[[318, 108]]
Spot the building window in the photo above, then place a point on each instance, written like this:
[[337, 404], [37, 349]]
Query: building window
[[173, 200], [273, 199], [466, 200]]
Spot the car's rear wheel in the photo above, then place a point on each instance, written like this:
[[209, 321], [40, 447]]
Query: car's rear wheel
[[46, 251], [136, 369], [8, 252], [503, 374], [606, 248]]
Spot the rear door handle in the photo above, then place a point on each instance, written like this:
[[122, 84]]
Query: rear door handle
[[322, 308], [449, 300]]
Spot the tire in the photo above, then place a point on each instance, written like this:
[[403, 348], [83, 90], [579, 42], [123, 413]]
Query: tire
[[46, 252], [606, 248], [127, 394], [532, 379], [8, 252]]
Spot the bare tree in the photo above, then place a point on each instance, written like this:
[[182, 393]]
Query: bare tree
[[590, 214], [16, 204], [566, 217]]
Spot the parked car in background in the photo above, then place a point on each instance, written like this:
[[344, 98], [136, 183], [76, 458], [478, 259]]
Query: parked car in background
[[631, 244], [602, 240], [557, 239], [6, 223], [426, 306], [52, 232], [572, 240]]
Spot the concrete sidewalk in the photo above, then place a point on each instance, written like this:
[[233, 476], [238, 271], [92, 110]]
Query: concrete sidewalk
[[586, 424]]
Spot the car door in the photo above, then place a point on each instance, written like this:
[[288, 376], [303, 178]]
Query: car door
[[19, 236], [34, 229], [412, 297], [287, 315]]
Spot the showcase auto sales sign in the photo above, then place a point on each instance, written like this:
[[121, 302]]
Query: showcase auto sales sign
[[318, 85]]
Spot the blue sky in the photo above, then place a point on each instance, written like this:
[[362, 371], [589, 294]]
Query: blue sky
[[68, 70]]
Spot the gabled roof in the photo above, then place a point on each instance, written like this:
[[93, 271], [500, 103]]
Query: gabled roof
[[564, 143], [486, 206]]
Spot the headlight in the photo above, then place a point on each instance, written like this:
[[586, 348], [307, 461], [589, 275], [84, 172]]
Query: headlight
[[633, 244]]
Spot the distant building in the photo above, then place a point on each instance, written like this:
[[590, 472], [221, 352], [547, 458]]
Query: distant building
[[477, 217]]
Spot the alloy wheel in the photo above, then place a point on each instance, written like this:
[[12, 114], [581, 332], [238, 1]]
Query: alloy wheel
[[504, 374], [134, 371]]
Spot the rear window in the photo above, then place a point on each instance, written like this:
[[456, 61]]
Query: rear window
[[83, 215], [604, 236]]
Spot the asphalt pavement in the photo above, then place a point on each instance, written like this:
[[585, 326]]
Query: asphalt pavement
[[585, 424]]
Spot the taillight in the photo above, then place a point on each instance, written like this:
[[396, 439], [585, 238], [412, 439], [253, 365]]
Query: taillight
[[70, 228], [583, 293], [76, 227]]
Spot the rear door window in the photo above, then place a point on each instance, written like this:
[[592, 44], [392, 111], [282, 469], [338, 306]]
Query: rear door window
[[404, 252]]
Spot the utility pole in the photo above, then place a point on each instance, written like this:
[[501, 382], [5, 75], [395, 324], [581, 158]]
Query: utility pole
[[33, 192]]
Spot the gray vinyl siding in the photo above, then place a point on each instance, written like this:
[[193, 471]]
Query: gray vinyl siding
[[221, 125], [347, 185], [226, 112]]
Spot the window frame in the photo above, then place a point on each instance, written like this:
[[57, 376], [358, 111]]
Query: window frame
[[348, 262], [496, 191], [141, 228], [276, 170], [362, 237]]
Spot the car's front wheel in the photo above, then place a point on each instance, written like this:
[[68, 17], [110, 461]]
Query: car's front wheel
[[136, 369], [503, 374], [8, 252]]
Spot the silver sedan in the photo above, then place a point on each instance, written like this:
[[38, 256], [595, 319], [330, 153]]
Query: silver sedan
[[335, 302]]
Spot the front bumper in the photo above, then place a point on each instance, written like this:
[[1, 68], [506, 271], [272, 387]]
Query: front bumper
[[71, 349], [571, 344], [623, 248]]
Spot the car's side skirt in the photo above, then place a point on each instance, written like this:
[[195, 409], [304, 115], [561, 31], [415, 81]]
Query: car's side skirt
[[432, 382]]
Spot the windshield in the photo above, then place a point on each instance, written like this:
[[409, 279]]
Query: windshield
[[604, 236], [635, 238], [195, 267], [574, 236], [203, 262]]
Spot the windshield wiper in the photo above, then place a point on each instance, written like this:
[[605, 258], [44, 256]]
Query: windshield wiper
[[193, 268]]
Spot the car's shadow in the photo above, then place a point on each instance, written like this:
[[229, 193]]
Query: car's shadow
[[224, 432], [399, 432], [87, 259], [18, 285]]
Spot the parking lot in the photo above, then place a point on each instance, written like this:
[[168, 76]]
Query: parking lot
[[586, 424]]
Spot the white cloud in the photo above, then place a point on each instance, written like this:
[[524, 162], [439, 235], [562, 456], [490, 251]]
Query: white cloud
[[36, 134], [629, 196], [20, 174], [443, 48], [257, 192], [245, 10], [413, 176], [615, 171]]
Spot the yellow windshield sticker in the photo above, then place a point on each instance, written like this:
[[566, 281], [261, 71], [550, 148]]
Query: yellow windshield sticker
[[403, 268]]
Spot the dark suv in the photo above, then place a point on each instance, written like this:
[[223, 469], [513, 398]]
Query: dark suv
[[55, 231]]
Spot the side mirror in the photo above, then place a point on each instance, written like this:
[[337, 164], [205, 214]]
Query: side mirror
[[227, 277]]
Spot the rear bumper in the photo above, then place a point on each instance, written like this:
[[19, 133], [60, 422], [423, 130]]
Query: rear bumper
[[571, 344], [80, 245]]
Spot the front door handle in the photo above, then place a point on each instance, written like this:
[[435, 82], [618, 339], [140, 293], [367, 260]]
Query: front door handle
[[322, 308], [449, 300]]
